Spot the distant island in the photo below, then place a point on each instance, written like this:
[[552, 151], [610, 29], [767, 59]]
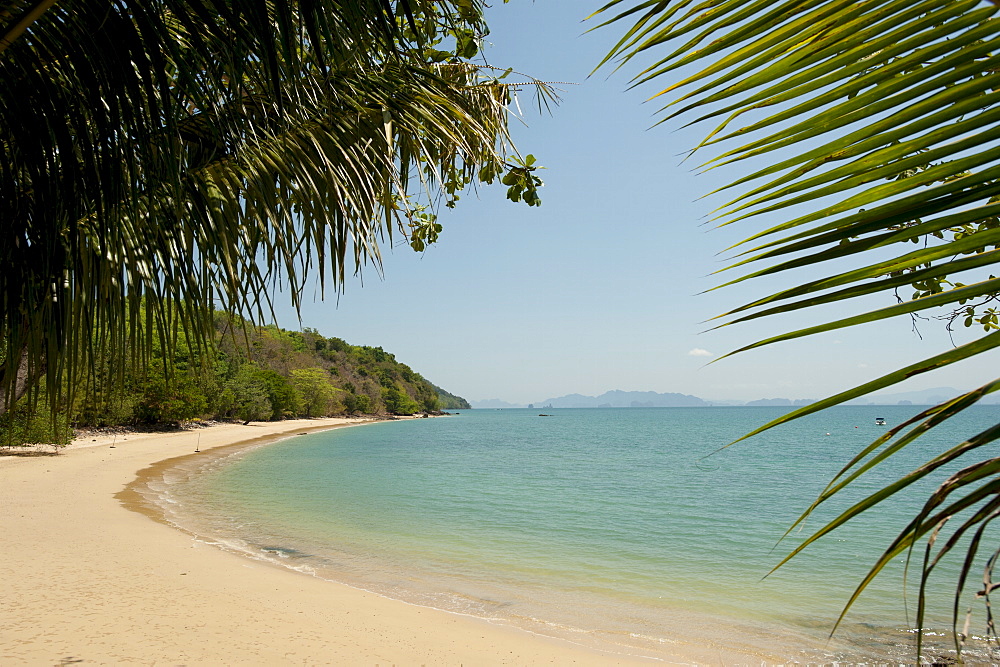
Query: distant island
[[651, 399], [626, 399]]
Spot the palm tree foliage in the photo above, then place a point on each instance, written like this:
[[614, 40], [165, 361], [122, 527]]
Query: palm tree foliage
[[871, 129], [172, 156]]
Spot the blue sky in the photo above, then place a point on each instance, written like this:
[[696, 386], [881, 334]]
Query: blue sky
[[599, 288]]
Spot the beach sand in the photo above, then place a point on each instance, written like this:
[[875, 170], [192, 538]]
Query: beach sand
[[84, 579]]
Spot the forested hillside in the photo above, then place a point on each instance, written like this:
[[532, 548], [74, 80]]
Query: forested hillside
[[257, 374]]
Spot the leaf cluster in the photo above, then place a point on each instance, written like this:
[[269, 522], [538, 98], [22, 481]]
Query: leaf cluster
[[522, 181]]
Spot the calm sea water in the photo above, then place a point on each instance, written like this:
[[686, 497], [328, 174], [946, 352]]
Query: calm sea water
[[618, 528]]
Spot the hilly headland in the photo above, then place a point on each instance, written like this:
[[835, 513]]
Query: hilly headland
[[254, 374]]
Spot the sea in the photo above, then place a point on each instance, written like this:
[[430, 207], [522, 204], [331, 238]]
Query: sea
[[631, 530]]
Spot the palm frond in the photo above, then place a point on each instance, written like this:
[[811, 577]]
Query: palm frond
[[163, 159], [885, 118]]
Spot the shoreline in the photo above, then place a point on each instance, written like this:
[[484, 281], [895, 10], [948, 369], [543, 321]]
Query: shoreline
[[132, 498], [88, 579]]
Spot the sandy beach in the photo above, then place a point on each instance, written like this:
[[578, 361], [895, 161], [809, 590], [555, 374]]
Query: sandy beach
[[86, 580]]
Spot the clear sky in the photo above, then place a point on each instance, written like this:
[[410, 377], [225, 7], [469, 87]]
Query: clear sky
[[599, 288]]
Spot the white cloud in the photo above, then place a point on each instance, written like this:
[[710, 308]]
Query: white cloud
[[698, 352], [862, 365]]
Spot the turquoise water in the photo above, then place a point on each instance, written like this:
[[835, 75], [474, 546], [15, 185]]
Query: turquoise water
[[613, 527]]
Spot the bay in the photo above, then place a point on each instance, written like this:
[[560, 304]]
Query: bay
[[625, 529]]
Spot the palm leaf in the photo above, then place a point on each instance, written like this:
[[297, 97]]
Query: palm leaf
[[164, 159], [886, 116]]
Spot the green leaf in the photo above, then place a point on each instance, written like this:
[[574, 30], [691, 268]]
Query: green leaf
[[872, 124]]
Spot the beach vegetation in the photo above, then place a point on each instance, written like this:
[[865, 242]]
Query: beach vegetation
[[164, 160], [179, 396], [269, 374], [25, 425], [362, 404], [280, 394], [317, 397], [867, 137], [398, 402], [247, 395]]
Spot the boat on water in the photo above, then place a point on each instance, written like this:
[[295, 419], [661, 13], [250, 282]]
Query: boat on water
[[880, 421]]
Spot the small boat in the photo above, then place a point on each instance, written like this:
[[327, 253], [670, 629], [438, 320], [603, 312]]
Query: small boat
[[880, 421]]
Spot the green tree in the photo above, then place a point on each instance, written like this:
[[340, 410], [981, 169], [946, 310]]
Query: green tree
[[363, 404], [25, 425], [161, 159], [318, 398], [350, 401], [878, 121], [398, 402], [169, 395], [248, 395], [430, 403], [280, 393]]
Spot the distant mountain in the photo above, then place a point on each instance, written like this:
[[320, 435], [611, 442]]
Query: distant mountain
[[493, 403], [722, 402], [781, 402], [625, 399], [923, 397], [652, 399]]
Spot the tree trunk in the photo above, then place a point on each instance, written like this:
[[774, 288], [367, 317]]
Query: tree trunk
[[12, 389]]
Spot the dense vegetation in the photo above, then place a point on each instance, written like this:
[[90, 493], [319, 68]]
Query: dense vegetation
[[256, 374], [195, 154]]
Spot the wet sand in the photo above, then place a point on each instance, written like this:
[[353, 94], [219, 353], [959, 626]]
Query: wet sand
[[85, 579]]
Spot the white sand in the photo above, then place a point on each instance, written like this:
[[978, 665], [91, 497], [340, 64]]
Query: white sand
[[82, 578]]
